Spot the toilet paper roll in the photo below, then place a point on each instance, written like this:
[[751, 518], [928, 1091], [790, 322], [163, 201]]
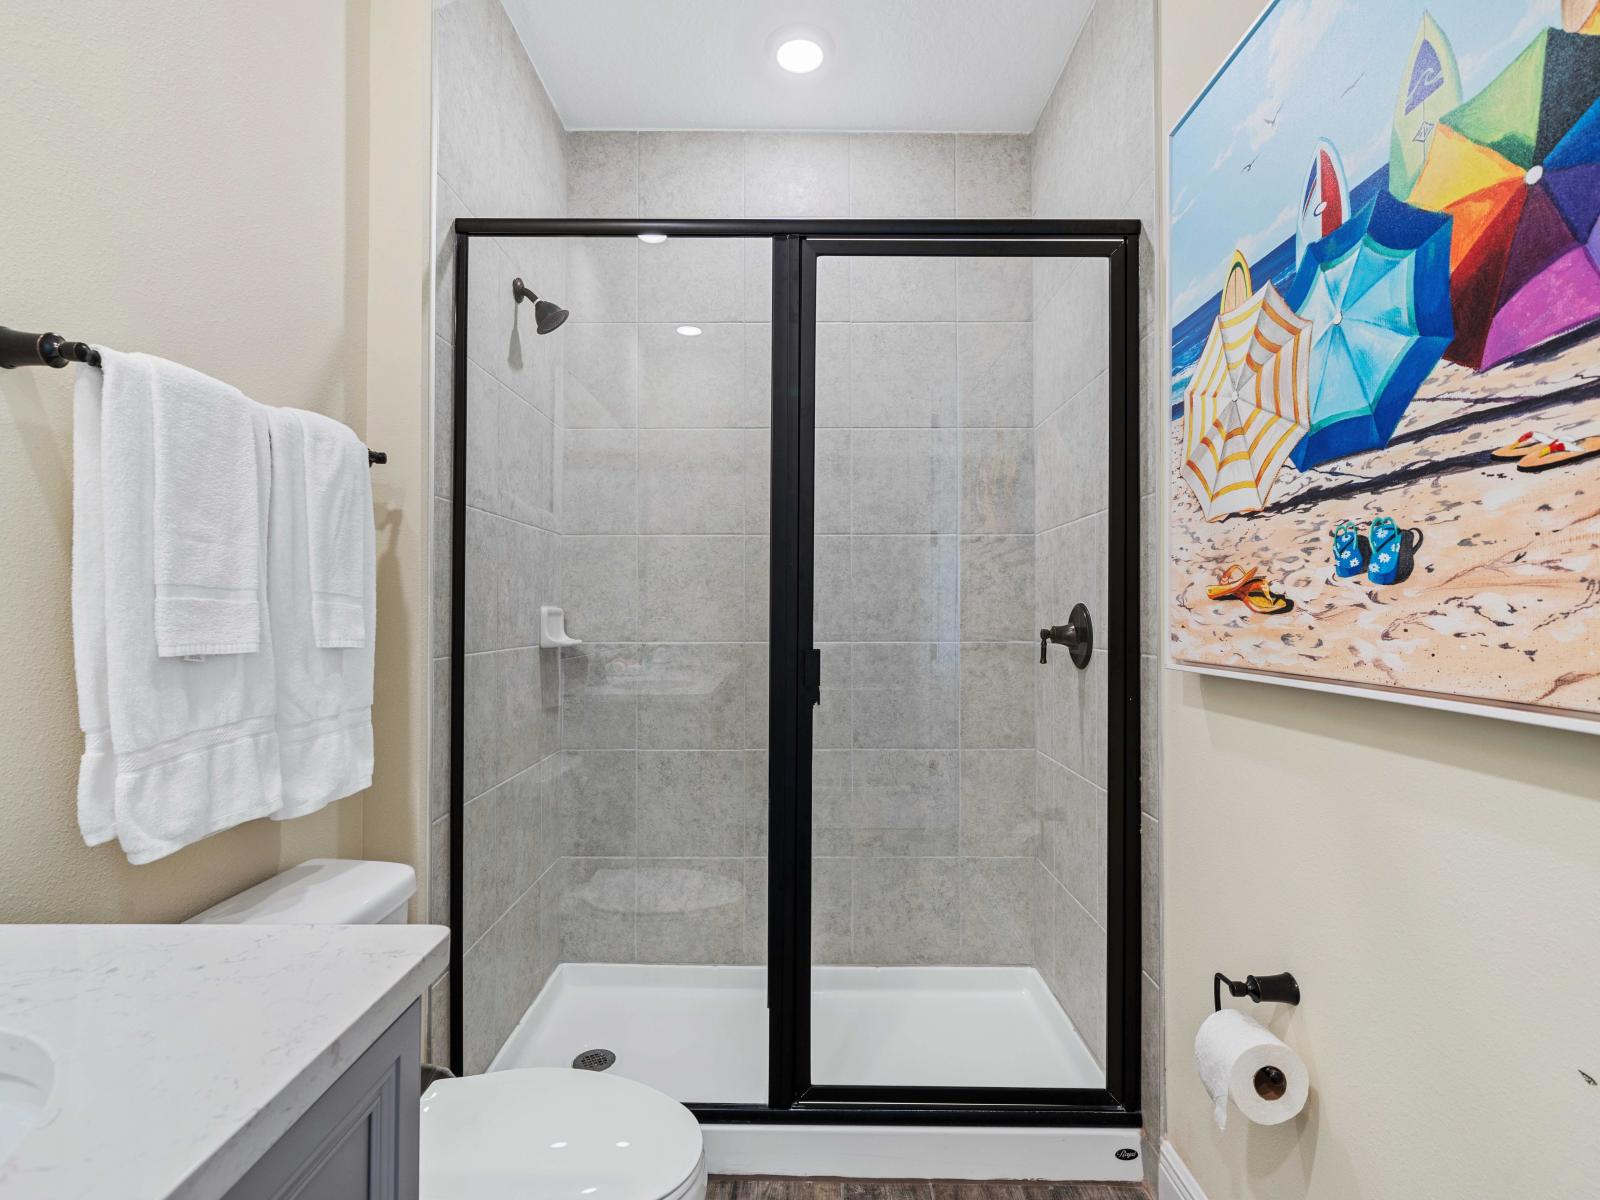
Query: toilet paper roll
[[1237, 1057]]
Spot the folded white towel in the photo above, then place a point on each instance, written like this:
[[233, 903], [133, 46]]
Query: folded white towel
[[208, 517], [324, 693], [338, 509], [175, 749]]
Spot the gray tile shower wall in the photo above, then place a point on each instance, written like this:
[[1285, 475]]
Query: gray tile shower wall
[[501, 148], [925, 813], [1102, 113]]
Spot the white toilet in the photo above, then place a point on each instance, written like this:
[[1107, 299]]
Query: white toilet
[[540, 1132]]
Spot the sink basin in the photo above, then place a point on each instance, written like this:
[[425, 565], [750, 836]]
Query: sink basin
[[26, 1074]]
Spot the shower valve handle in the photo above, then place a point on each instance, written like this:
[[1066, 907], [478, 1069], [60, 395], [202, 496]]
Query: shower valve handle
[[1077, 635]]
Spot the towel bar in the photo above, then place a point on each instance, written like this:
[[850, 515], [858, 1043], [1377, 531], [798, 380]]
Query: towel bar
[[18, 349]]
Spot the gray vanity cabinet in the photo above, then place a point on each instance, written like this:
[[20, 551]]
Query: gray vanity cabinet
[[359, 1140]]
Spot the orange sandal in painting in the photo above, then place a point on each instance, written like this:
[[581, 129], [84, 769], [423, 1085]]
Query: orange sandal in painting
[[1525, 445], [1231, 581], [1559, 452], [1262, 599]]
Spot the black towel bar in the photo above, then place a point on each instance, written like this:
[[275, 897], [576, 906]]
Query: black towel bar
[[18, 349]]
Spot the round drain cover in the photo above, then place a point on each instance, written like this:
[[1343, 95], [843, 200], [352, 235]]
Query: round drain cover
[[594, 1060]]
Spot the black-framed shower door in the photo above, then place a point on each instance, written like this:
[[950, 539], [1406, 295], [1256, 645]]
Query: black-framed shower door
[[794, 665]]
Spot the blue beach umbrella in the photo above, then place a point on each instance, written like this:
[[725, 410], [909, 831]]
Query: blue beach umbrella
[[1377, 293]]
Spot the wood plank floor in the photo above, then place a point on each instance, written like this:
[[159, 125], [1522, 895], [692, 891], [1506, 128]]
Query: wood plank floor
[[741, 1187]]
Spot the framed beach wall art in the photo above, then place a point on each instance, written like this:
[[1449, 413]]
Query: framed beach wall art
[[1383, 224]]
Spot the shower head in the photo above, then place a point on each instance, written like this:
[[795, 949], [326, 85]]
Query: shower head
[[547, 315]]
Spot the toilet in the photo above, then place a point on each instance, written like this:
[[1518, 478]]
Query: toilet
[[547, 1132]]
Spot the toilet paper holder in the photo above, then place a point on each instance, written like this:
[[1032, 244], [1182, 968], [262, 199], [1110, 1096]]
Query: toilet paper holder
[[1279, 989]]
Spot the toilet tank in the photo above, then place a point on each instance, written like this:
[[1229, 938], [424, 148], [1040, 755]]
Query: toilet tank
[[321, 891]]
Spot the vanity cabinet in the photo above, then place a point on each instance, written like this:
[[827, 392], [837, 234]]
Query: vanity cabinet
[[358, 1141]]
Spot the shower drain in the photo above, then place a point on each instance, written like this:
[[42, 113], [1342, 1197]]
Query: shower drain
[[593, 1060]]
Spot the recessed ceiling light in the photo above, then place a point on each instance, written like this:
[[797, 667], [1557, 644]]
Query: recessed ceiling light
[[689, 330], [654, 239], [799, 55]]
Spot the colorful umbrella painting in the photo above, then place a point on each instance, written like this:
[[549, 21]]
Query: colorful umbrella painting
[[1518, 167], [1376, 292], [1431, 88], [1246, 406], [1325, 200]]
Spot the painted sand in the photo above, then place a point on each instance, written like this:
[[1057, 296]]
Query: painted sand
[[1503, 602]]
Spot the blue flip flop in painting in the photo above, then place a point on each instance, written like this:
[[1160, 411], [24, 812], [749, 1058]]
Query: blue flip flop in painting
[[1349, 550]]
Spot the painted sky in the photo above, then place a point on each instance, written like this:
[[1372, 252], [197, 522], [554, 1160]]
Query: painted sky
[[1314, 68]]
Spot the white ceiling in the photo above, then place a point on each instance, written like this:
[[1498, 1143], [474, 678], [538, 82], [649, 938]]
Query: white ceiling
[[934, 65]]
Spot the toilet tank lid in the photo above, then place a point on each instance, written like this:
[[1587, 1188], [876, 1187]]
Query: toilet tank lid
[[320, 891]]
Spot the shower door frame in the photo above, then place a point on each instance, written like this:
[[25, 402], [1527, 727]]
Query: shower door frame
[[793, 682]]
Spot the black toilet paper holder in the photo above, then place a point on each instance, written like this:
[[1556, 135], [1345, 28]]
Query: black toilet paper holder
[[1279, 989]]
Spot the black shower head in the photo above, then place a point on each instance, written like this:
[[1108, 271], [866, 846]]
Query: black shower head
[[547, 315]]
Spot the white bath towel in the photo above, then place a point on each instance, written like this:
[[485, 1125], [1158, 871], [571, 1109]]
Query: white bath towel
[[175, 749], [338, 514], [208, 516], [324, 694]]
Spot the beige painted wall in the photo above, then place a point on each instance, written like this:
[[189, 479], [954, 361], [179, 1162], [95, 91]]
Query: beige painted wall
[[191, 179], [399, 418], [1433, 880]]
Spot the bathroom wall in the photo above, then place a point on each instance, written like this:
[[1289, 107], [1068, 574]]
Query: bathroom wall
[[1430, 878], [152, 204], [501, 151], [1093, 156], [924, 818]]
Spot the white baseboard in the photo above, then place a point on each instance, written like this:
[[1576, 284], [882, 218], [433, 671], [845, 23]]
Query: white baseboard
[[937, 1151], [1174, 1182]]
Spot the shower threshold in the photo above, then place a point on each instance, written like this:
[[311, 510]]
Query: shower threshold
[[699, 1034]]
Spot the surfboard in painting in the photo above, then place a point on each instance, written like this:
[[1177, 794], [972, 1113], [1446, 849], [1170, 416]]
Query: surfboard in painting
[[1430, 87], [1325, 199], [1236, 289]]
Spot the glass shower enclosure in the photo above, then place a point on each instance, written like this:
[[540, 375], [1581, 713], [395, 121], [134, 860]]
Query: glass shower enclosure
[[829, 813]]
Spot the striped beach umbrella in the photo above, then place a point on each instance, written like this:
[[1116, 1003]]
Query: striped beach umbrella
[[1247, 404]]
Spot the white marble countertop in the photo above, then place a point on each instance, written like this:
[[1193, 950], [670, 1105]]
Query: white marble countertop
[[183, 1052]]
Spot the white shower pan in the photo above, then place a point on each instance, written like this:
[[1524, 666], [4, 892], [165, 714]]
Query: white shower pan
[[699, 1034]]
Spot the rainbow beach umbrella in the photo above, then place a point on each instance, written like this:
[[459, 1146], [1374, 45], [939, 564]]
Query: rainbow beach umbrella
[[1518, 168], [1377, 294], [1246, 405]]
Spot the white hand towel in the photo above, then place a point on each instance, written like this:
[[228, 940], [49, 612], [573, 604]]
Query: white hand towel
[[208, 518], [324, 693], [174, 749], [338, 511]]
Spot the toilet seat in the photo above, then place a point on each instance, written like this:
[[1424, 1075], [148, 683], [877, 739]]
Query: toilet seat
[[557, 1134]]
